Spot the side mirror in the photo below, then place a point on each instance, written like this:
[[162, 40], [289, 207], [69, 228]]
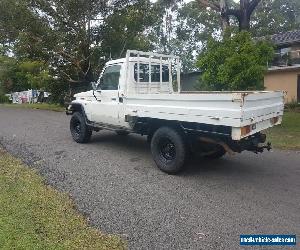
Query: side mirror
[[94, 86]]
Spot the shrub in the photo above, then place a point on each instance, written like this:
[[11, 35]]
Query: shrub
[[4, 99], [235, 63], [293, 105]]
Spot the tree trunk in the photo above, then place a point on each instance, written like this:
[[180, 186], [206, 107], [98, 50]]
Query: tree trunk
[[246, 9], [242, 14], [224, 15], [244, 23], [244, 20]]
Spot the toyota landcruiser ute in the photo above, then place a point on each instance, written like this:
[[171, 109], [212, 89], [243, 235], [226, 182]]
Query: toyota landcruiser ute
[[137, 94]]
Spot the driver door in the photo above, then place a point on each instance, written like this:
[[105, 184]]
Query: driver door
[[106, 107]]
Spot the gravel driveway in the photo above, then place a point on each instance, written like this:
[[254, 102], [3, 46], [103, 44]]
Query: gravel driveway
[[115, 183]]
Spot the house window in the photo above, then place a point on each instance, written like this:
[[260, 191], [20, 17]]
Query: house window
[[155, 73], [285, 51]]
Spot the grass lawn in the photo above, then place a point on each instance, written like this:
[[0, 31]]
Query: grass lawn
[[286, 135], [43, 106], [36, 216]]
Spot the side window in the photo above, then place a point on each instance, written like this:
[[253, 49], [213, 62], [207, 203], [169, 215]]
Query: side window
[[155, 73], [165, 73], [144, 72], [110, 78]]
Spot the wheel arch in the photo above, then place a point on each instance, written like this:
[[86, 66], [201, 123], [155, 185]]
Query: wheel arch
[[75, 107], [148, 125]]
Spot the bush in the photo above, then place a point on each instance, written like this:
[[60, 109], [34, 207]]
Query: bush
[[4, 99], [58, 90], [235, 63], [293, 105]]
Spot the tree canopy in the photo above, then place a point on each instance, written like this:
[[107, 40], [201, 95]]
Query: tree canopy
[[57, 44], [235, 63]]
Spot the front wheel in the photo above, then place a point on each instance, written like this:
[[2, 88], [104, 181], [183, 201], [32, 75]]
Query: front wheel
[[80, 131], [168, 150]]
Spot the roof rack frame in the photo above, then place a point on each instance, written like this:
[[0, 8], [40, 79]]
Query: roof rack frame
[[162, 58]]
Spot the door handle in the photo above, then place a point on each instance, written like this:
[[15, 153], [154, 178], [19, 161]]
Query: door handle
[[113, 99]]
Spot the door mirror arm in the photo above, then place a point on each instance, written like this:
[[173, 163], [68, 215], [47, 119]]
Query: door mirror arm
[[94, 88], [96, 96], [93, 85]]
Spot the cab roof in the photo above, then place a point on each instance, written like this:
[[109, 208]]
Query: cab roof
[[136, 59]]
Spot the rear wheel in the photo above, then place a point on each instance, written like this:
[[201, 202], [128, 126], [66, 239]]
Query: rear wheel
[[168, 150], [80, 131]]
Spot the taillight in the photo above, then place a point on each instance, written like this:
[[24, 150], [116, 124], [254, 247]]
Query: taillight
[[245, 130], [274, 120]]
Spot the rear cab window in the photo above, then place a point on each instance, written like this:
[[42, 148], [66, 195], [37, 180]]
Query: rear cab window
[[155, 73]]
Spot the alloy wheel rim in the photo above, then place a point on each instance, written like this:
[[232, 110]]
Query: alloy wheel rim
[[167, 149]]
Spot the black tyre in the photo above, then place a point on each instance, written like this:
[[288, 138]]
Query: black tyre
[[218, 153], [122, 132], [81, 133], [168, 150]]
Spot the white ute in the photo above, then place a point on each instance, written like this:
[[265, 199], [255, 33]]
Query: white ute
[[136, 95]]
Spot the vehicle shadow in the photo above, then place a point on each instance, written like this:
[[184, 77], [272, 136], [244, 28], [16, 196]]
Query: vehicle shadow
[[226, 166], [133, 143], [195, 165]]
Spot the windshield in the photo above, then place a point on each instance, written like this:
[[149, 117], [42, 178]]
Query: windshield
[[110, 78]]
